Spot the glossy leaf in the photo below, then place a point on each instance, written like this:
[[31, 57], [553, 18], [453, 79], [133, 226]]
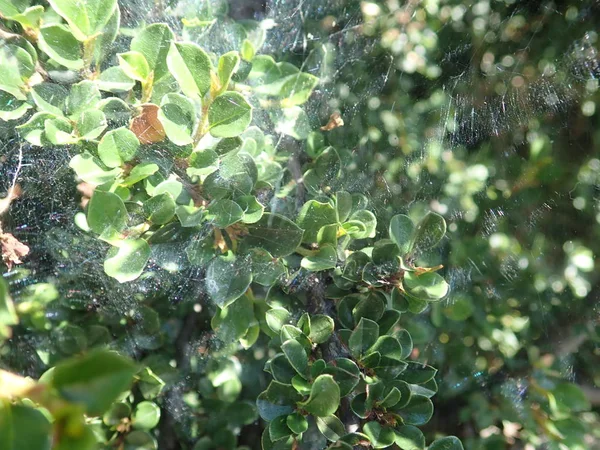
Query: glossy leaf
[[57, 41], [229, 115], [146, 415], [275, 233], [313, 216], [191, 67], [446, 443], [134, 65], [127, 262], [325, 258], [227, 278], [87, 17], [429, 231], [94, 380], [331, 427], [106, 213], [401, 232], [296, 356], [324, 397], [154, 42], [380, 436], [228, 64], [363, 337], [117, 146], [428, 286], [409, 437]]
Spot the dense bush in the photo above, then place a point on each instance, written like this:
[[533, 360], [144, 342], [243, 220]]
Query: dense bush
[[223, 234]]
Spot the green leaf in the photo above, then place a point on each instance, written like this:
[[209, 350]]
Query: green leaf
[[278, 429], [266, 270], [279, 399], [324, 397], [297, 89], [418, 411], [24, 428], [59, 131], [569, 397], [16, 66], [232, 322], [154, 42], [150, 384], [116, 110], [134, 65], [106, 213], [140, 440], [331, 427], [139, 173], [370, 222], [11, 108], [428, 286], [280, 368], [251, 207], [127, 262], [297, 423], [8, 315], [227, 278], [203, 162], [160, 209], [321, 328], [177, 115], [345, 373], [236, 176], [388, 347], [370, 307], [391, 398], [57, 41], [224, 213], [247, 51], [363, 337], [115, 80], [146, 415], [85, 17], [191, 67], [264, 70], [116, 413], [296, 356], [9, 8], [90, 169], [118, 146], [228, 64], [380, 436], [313, 216], [345, 308], [229, 115], [401, 232], [409, 437], [292, 122], [200, 251], [446, 443], [91, 124], [418, 373], [325, 258], [275, 233], [429, 231], [84, 95], [103, 43], [27, 17], [277, 318], [94, 380]]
